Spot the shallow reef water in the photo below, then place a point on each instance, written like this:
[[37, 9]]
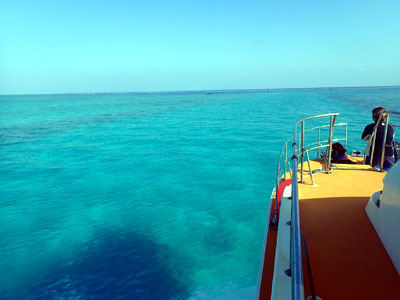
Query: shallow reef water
[[149, 195]]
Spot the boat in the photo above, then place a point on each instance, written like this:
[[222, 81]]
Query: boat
[[333, 229]]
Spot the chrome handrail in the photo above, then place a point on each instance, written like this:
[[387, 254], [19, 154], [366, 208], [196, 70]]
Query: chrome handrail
[[296, 260], [296, 268]]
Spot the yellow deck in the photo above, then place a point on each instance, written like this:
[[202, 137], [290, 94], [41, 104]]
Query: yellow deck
[[347, 257]]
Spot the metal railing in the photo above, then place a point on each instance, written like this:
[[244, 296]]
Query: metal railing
[[319, 145], [298, 153], [370, 148], [299, 150], [305, 149]]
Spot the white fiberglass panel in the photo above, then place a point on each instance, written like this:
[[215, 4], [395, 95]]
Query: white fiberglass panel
[[385, 216]]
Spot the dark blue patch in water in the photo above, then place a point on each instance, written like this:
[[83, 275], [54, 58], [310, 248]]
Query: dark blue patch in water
[[115, 266]]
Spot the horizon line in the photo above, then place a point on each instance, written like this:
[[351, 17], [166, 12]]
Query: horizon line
[[210, 91]]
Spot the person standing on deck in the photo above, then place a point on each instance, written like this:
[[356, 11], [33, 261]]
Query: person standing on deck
[[380, 135]]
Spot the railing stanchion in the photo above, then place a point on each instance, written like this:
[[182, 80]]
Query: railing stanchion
[[309, 165], [285, 159], [302, 153], [371, 154], [329, 154], [384, 141], [319, 141]]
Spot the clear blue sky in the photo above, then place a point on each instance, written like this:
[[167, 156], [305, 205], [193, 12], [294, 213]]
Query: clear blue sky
[[53, 46]]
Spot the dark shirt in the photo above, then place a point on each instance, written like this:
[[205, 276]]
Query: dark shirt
[[380, 133], [338, 157]]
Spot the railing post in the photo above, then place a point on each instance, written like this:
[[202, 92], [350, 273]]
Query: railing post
[[274, 220], [309, 165], [384, 141], [374, 140], [329, 154], [319, 141], [285, 159], [302, 153]]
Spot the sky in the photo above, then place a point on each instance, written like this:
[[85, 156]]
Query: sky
[[73, 46]]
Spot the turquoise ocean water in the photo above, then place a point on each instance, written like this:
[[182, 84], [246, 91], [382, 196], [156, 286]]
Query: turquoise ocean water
[[148, 196]]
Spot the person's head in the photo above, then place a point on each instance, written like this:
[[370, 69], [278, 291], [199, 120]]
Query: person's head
[[338, 148], [376, 113]]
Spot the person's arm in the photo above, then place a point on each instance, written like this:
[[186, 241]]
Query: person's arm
[[366, 138], [366, 135]]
